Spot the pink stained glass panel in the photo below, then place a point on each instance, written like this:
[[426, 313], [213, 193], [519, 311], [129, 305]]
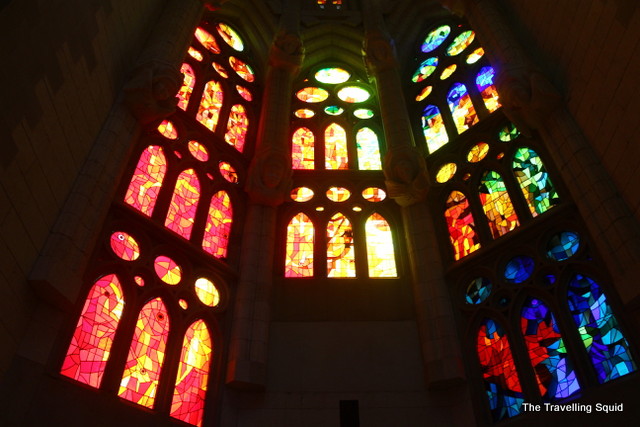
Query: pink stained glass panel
[[237, 127], [146, 181], [184, 204], [299, 250], [218, 227], [302, 149], [184, 94], [210, 105]]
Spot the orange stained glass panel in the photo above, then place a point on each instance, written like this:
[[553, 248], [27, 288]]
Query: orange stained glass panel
[[167, 270], [335, 147], [184, 94], [146, 181], [220, 70], [462, 228], [193, 374], [497, 204], [91, 343], [207, 292], [125, 246], [237, 127], [142, 370], [461, 106], [230, 37], [228, 172], [302, 150], [168, 130], [207, 40], [195, 54], [380, 251], [301, 194], [374, 194], [218, 227], [243, 70], [338, 194], [312, 95], [340, 253], [198, 151], [299, 250], [184, 204], [210, 105], [244, 93]]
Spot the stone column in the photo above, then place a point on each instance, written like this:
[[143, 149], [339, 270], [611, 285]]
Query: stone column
[[532, 103], [268, 186], [407, 182]]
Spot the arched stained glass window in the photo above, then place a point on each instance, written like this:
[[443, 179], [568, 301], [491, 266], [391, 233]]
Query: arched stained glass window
[[340, 253], [146, 181], [193, 374], [534, 181], [218, 227], [599, 329], [461, 107], [237, 127], [368, 149], [184, 204], [210, 105], [462, 228], [335, 146], [299, 247], [433, 128], [184, 94], [547, 352], [487, 88], [380, 249], [302, 149], [501, 380], [146, 355], [497, 204], [90, 346]]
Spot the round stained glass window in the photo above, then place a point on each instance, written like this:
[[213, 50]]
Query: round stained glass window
[[563, 246], [374, 194], [519, 269], [508, 133], [302, 194], [125, 246], [475, 56], [198, 151], [478, 152], [168, 130], [363, 113], [167, 270], [424, 93], [228, 172], [446, 172], [435, 38], [230, 37], [244, 93], [207, 292], [448, 71], [304, 113], [353, 94], [333, 110], [332, 75], [478, 290], [243, 70], [312, 94], [220, 70], [425, 69], [338, 194], [460, 43]]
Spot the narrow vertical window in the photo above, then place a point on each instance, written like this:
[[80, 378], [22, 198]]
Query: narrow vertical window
[[601, 335], [237, 127], [547, 352], [497, 204], [340, 254], [534, 181], [184, 204], [368, 149], [210, 105], [462, 110], [146, 181], [142, 371], [218, 227], [91, 343], [335, 147], [380, 251], [433, 128], [302, 149], [184, 94], [462, 228], [299, 250], [193, 374], [501, 381], [487, 88]]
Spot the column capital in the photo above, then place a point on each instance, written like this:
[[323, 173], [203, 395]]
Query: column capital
[[379, 51], [406, 175], [287, 51], [269, 180]]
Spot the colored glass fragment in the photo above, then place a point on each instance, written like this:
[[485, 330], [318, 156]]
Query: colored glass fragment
[[237, 127], [230, 37], [460, 43], [207, 292], [497, 204], [312, 95], [446, 172], [435, 38], [90, 345], [299, 248], [563, 245], [125, 246], [478, 290], [475, 56], [353, 94], [302, 150], [599, 329], [487, 88], [547, 352], [183, 304], [363, 113], [426, 68], [142, 371], [461, 107], [139, 281], [220, 70], [380, 250], [304, 113], [368, 150], [210, 105], [508, 133], [501, 381], [338, 194], [446, 73], [184, 94], [146, 181], [244, 93], [168, 130], [332, 75], [424, 93], [374, 194], [519, 269], [333, 110], [335, 146], [228, 172], [207, 40], [536, 186], [301, 194], [433, 128], [218, 227], [184, 204], [195, 54], [462, 228], [167, 270], [242, 69], [198, 151], [478, 152], [340, 253]]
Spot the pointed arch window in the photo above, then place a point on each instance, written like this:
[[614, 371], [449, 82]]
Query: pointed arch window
[[487, 88], [299, 247], [368, 149], [184, 204], [462, 110], [497, 204], [335, 147], [184, 94], [303, 149], [462, 233], [237, 127], [340, 247], [380, 248], [218, 227], [146, 182], [534, 181], [210, 105]]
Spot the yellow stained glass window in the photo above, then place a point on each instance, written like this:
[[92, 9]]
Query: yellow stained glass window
[[304, 113], [380, 249], [353, 94], [299, 247], [168, 130], [301, 194], [340, 253], [374, 194], [368, 150], [446, 172], [312, 94], [195, 54], [207, 40], [184, 94], [207, 292], [478, 152], [302, 149], [338, 194], [335, 146], [237, 127], [210, 105], [332, 75], [230, 37]]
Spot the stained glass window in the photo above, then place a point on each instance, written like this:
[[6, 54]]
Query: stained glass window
[[519, 269], [184, 94], [497, 204], [302, 155], [242, 69], [380, 249], [368, 150], [146, 355], [460, 43], [237, 127], [125, 246], [335, 145], [461, 107], [433, 128], [599, 329], [435, 38], [487, 88], [207, 40], [478, 290], [229, 35], [193, 374], [218, 227], [198, 151], [146, 182], [340, 253], [534, 181], [563, 245], [547, 352], [90, 346], [184, 204], [462, 229], [210, 105], [207, 292], [299, 248]]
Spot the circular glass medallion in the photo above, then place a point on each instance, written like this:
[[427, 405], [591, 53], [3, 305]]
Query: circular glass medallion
[[125, 246], [230, 37], [332, 75], [304, 113], [243, 70], [425, 69], [478, 152], [228, 172], [518, 269], [374, 194], [363, 113], [460, 43], [198, 151], [302, 194], [563, 245], [353, 94], [435, 38], [478, 290], [207, 292], [508, 133], [446, 172], [333, 110], [312, 94], [167, 270], [338, 194]]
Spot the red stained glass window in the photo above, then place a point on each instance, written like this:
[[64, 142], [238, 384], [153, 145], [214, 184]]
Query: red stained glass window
[[142, 371], [299, 251], [168, 130], [335, 146], [302, 154], [167, 270], [146, 182], [193, 374], [210, 105], [207, 40], [91, 343], [184, 204], [125, 246], [218, 227], [462, 229], [340, 254], [187, 86], [237, 127]]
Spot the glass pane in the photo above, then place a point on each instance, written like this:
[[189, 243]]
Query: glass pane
[[299, 251], [242, 69], [462, 229], [368, 149], [218, 227], [207, 292], [487, 88], [207, 40], [184, 94], [461, 107], [210, 105], [340, 254], [433, 128], [497, 204], [230, 37], [302, 150], [335, 145], [237, 127], [184, 204], [167, 270], [534, 181], [332, 75], [380, 250], [125, 246], [146, 181], [426, 68], [435, 38]]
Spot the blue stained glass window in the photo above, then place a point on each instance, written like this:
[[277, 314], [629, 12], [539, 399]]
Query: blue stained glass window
[[478, 290], [435, 38], [518, 269], [563, 245], [599, 329], [547, 352], [433, 128]]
